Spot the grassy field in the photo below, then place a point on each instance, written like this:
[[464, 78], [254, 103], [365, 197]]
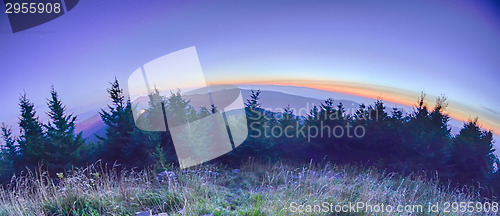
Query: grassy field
[[253, 189]]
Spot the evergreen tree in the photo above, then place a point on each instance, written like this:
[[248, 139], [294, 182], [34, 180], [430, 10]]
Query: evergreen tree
[[9, 150], [194, 134], [327, 117], [259, 142], [288, 118], [259, 122], [313, 117], [63, 144], [430, 139], [253, 102], [126, 144], [179, 109], [9, 156], [378, 112], [32, 141], [288, 143], [472, 154], [378, 143], [117, 145]]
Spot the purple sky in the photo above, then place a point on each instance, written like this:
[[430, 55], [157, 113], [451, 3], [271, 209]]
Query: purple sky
[[445, 47]]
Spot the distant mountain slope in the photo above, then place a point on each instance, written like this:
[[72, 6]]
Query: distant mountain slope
[[91, 127], [272, 98]]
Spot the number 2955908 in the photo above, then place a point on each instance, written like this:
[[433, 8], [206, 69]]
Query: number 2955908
[[32, 8]]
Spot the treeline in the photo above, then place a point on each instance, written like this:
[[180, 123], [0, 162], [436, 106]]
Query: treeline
[[53, 144], [420, 141], [55, 147]]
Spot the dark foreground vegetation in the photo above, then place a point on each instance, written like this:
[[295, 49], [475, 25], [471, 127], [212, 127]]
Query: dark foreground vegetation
[[419, 142], [255, 188]]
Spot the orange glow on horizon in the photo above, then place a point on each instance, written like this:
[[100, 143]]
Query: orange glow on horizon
[[400, 96]]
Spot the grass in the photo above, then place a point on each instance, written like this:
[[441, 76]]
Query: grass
[[254, 189]]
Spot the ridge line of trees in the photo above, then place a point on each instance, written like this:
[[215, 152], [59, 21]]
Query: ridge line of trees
[[420, 141]]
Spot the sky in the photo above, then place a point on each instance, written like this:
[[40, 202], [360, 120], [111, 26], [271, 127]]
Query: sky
[[388, 49]]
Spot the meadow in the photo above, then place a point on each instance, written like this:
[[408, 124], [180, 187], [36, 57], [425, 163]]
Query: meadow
[[254, 188]]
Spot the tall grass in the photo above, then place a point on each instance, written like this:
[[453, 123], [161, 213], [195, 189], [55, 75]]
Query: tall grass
[[254, 189]]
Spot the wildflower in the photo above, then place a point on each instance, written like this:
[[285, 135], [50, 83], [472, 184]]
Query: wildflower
[[60, 175]]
